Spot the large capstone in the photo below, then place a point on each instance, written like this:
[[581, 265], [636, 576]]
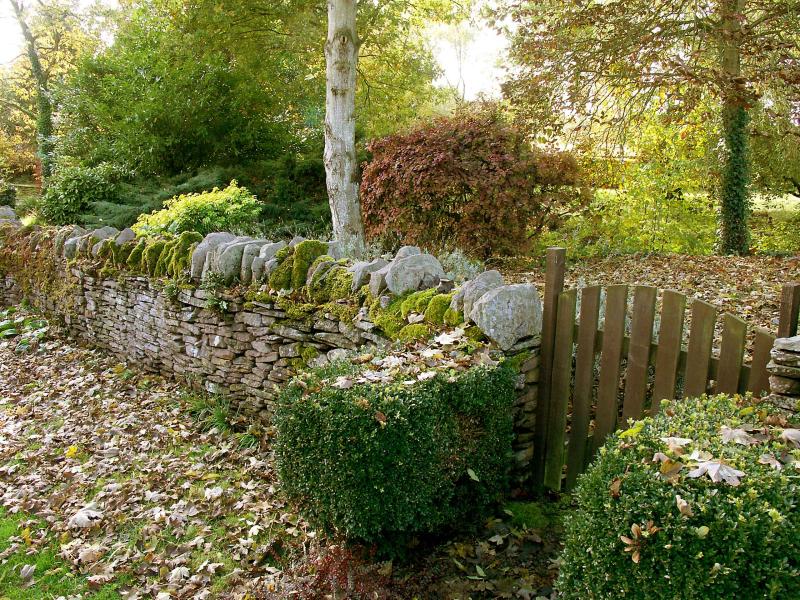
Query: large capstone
[[228, 259], [7, 214], [472, 291], [407, 251], [790, 344], [65, 234], [211, 241], [125, 236], [509, 313], [101, 234], [475, 290], [249, 254], [415, 272], [377, 280], [362, 270]]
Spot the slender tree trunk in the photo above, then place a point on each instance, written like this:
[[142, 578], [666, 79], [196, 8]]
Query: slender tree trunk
[[341, 168], [44, 106], [735, 201]]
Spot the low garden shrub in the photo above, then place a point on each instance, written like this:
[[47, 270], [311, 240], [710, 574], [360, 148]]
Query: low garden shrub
[[75, 190], [472, 180], [700, 502], [230, 209], [378, 462]]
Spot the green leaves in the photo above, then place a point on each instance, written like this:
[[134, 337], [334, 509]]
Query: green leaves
[[719, 483], [378, 451]]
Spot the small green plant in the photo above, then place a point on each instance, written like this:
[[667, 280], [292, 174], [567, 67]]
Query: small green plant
[[232, 208], [25, 329], [698, 502], [213, 283], [211, 412]]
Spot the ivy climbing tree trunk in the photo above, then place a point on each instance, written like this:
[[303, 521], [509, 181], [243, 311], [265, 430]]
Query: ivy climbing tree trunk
[[44, 105], [734, 201], [341, 168]]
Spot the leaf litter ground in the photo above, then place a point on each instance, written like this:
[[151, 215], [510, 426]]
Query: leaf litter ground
[[104, 470]]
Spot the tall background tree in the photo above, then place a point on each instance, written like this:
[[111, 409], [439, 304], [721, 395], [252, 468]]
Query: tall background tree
[[594, 67], [55, 34]]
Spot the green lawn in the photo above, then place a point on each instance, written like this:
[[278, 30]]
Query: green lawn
[[51, 577]]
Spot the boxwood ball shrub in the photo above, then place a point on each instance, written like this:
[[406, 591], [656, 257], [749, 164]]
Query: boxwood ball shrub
[[377, 463], [698, 502]]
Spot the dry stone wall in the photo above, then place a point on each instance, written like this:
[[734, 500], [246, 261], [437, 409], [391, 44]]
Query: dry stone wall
[[226, 342]]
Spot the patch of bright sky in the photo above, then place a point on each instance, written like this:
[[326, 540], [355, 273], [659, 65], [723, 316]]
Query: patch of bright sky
[[469, 54]]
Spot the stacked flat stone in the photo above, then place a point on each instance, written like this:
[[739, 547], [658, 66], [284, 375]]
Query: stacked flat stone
[[784, 370]]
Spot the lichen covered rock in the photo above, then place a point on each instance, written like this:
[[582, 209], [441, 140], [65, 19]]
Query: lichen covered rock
[[509, 313]]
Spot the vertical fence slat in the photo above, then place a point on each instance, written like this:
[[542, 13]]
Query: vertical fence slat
[[759, 378], [644, 307], [731, 354], [670, 337], [554, 285], [559, 390], [584, 381], [608, 388], [790, 306], [701, 339]]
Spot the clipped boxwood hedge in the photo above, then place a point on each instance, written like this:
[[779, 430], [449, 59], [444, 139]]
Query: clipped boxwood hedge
[[699, 502], [377, 463]]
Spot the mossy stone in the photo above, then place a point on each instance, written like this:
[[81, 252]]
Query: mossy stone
[[437, 307], [180, 257], [281, 276], [305, 253], [134, 261], [411, 333], [151, 255], [308, 353], [453, 318], [417, 302], [388, 319]]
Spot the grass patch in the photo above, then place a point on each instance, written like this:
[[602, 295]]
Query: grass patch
[[52, 576]]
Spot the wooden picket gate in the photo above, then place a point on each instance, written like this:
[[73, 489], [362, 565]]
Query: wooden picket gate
[[608, 372]]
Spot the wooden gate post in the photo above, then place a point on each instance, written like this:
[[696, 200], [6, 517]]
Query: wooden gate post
[[553, 286], [790, 306]]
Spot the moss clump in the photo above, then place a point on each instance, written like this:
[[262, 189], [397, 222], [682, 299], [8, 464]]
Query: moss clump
[[344, 312], [388, 319], [120, 254], [475, 334], [515, 362], [527, 514], [411, 333], [151, 255], [335, 283], [305, 253], [308, 353], [417, 302], [179, 257], [134, 261], [296, 311], [437, 307], [453, 318], [281, 276]]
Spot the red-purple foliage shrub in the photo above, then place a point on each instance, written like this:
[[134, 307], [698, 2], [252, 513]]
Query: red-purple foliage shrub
[[471, 181]]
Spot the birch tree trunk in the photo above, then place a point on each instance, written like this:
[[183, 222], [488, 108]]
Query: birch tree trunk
[[44, 106], [341, 168]]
